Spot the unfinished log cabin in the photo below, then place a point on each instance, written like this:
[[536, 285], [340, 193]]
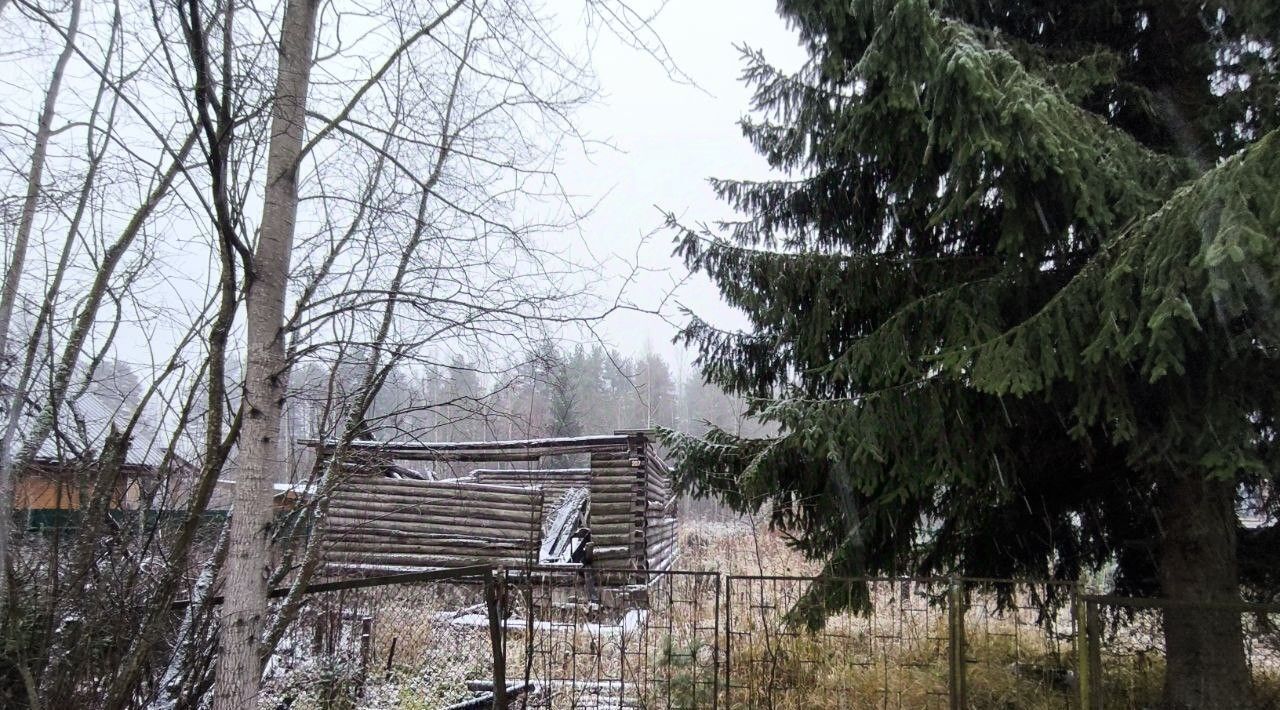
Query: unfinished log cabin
[[512, 504]]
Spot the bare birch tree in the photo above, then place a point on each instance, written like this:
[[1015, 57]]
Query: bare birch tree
[[13, 398], [408, 203], [266, 378]]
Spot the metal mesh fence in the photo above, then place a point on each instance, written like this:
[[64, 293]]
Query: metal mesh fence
[[897, 643], [1127, 649], [568, 639], [592, 639], [1019, 644], [613, 639], [392, 644]]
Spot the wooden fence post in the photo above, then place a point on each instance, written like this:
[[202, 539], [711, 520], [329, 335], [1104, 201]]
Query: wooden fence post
[[366, 651], [1093, 630], [956, 657], [493, 602], [1084, 671]]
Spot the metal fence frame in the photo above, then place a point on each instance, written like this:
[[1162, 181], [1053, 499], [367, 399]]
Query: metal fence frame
[[482, 575], [956, 595], [957, 605], [1091, 671], [705, 627]]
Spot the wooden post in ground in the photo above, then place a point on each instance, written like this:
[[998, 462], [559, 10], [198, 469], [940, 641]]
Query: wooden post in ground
[[955, 618], [366, 651], [1084, 675], [493, 603], [1093, 632]]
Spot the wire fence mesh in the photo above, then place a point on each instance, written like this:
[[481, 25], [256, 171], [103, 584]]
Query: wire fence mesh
[[897, 643], [566, 639], [1020, 644], [555, 638], [387, 643], [614, 639], [1127, 649]]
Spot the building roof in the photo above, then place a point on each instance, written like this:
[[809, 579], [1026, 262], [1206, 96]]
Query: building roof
[[84, 424]]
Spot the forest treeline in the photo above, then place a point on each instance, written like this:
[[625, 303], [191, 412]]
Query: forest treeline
[[556, 390]]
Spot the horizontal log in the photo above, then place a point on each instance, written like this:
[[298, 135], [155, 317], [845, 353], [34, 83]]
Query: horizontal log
[[410, 521], [403, 518], [440, 550], [523, 478], [659, 489], [425, 511], [612, 538], [422, 561], [549, 472], [403, 449], [599, 499], [339, 524], [435, 502], [599, 494], [601, 521], [530, 554], [606, 526], [616, 480], [654, 553], [447, 506], [510, 540], [625, 452], [602, 518], [616, 472], [660, 543], [614, 506], [614, 509], [466, 489], [516, 499], [615, 485], [420, 538], [496, 455]]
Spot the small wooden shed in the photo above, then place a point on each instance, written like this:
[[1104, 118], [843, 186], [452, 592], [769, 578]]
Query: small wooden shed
[[508, 510]]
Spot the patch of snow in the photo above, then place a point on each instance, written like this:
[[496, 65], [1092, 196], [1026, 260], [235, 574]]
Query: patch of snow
[[631, 622]]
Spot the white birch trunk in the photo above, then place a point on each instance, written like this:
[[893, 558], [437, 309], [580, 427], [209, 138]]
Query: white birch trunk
[[261, 455], [13, 279]]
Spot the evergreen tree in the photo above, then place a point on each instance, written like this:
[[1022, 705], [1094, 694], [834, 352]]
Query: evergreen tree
[[563, 416], [1012, 306]]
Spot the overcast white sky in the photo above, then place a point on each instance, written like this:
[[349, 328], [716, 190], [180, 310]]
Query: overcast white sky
[[670, 138]]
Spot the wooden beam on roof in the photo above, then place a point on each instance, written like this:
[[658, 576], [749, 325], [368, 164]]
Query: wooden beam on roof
[[520, 450]]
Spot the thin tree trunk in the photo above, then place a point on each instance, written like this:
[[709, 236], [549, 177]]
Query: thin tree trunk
[[1206, 665], [261, 455], [13, 275], [187, 644]]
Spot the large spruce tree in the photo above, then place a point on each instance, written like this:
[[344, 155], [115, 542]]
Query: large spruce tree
[[1013, 308]]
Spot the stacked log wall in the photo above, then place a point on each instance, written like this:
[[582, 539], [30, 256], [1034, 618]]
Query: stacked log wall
[[495, 516], [386, 524], [616, 486], [660, 513], [555, 483]]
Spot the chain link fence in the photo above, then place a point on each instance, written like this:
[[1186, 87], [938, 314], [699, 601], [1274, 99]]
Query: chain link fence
[[613, 638], [556, 637], [478, 638], [386, 642]]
